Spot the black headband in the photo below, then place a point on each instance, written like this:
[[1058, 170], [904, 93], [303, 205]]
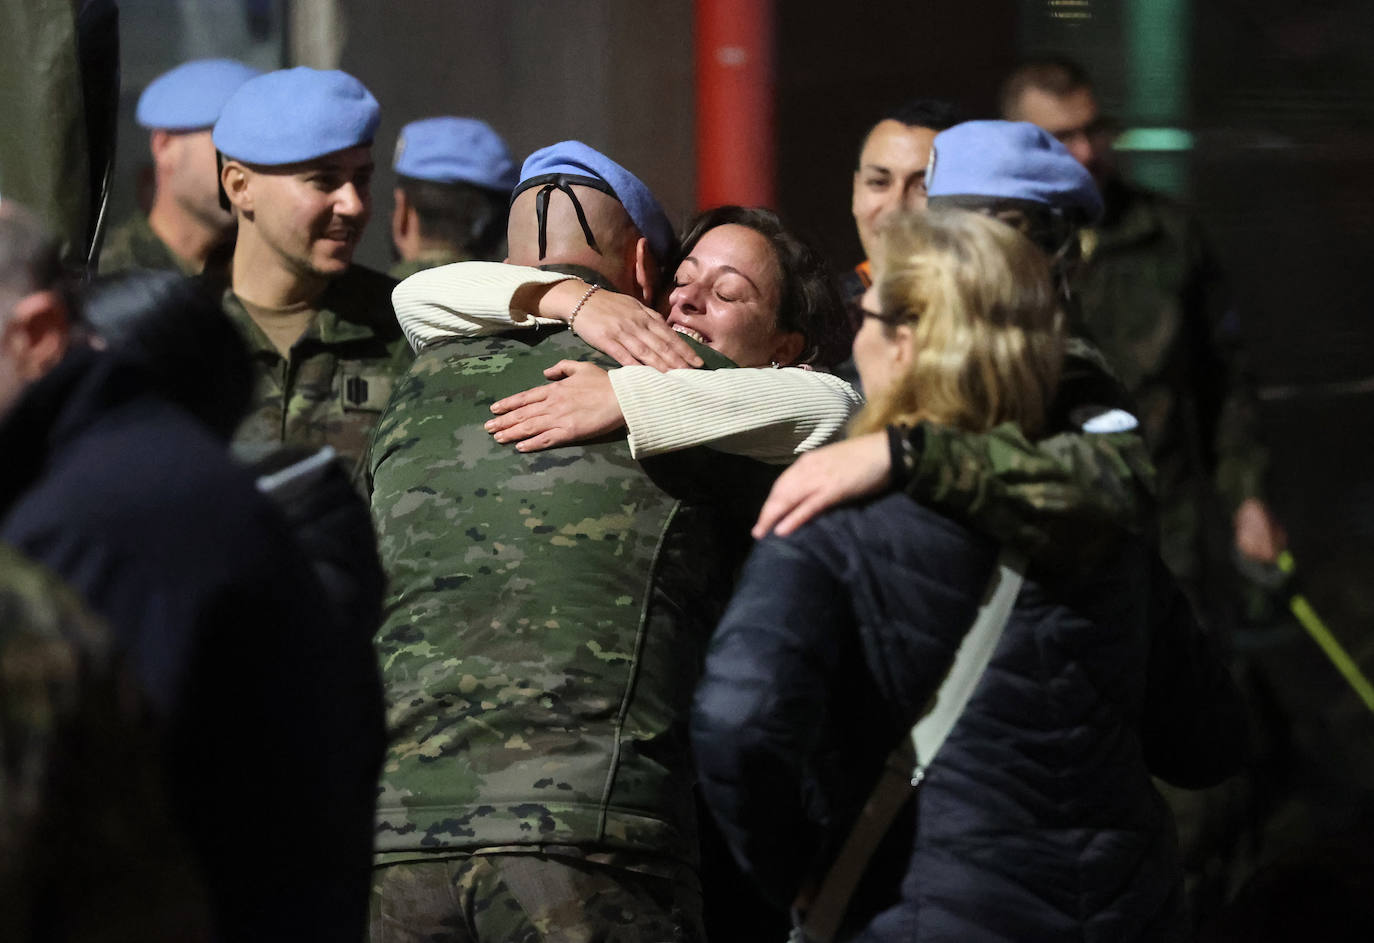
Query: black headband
[[564, 182]]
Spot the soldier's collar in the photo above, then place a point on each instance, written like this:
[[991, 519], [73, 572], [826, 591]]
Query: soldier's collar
[[589, 275]]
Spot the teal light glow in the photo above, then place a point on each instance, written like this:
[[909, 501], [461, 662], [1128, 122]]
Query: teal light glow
[[1155, 139]]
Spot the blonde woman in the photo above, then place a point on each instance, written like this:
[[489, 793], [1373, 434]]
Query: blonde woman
[[1037, 820]]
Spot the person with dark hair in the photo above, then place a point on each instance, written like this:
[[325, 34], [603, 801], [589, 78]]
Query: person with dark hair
[[179, 335], [1040, 86], [138, 507], [1153, 295], [890, 177], [768, 417], [789, 411], [1148, 274], [808, 304], [296, 165], [452, 197]]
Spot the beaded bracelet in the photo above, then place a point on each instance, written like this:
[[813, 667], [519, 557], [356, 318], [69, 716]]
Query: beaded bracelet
[[578, 307]]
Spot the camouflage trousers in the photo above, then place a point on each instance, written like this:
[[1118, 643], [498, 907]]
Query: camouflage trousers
[[531, 898]]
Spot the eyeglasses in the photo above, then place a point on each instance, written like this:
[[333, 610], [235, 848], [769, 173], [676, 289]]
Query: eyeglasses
[[892, 320]]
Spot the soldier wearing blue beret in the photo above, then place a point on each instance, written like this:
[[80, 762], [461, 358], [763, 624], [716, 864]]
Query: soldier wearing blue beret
[[1149, 273], [452, 196], [186, 225], [295, 150]]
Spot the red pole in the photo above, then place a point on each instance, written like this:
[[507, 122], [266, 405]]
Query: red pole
[[735, 111]]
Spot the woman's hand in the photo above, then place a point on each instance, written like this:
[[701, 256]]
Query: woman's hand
[[824, 478], [619, 327], [581, 405]]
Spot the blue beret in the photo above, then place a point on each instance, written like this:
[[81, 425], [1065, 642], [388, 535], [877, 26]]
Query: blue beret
[[455, 150], [293, 115], [1011, 160], [190, 97], [578, 160]]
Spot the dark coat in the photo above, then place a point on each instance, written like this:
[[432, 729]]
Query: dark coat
[[272, 712], [1037, 820]]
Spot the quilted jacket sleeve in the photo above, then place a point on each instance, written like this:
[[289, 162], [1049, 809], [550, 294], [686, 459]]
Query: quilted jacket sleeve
[[759, 710]]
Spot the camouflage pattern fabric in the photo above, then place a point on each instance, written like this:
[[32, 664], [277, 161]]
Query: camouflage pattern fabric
[[1151, 295], [338, 378], [532, 898], [87, 848], [406, 268], [133, 245], [545, 625], [1063, 500]]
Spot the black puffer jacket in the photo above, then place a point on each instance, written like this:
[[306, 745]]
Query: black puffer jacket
[[1038, 820], [271, 712]]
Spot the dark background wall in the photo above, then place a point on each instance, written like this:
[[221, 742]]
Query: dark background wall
[[841, 66], [616, 74]]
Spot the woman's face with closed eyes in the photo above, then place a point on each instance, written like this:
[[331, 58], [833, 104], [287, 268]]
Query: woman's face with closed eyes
[[726, 294]]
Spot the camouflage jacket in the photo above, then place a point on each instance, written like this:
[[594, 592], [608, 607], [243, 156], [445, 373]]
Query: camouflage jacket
[[87, 846], [133, 245], [546, 620], [1064, 500], [339, 375], [1152, 296]]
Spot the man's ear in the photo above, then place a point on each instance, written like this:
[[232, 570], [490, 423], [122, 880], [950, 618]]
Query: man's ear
[[35, 335], [234, 178], [159, 145], [401, 223], [646, 273]]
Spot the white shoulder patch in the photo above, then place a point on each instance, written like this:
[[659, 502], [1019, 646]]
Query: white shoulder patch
[[1095, 419]]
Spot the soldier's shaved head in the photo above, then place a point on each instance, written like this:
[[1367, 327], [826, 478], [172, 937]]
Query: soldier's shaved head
[[565, 241]]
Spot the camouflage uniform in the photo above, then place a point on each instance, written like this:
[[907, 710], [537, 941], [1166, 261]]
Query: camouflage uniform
[[339, 375], [408, 267], [532, 898], [545, 626], [1065, 499], [133, 245], [87, 849], [1150, 293]]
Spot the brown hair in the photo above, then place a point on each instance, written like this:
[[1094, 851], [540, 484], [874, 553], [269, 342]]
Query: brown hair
[[809, 301], [1053, 75]]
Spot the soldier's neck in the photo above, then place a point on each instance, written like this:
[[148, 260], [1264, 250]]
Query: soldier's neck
[[262, 277], [189, 237]]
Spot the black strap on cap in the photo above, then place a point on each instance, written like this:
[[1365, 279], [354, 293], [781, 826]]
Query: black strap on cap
[[564, 182]]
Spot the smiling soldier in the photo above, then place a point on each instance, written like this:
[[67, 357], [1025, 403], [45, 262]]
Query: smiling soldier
[[295, 152]]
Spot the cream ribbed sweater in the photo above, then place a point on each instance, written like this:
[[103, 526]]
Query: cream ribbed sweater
[[769, 415]]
